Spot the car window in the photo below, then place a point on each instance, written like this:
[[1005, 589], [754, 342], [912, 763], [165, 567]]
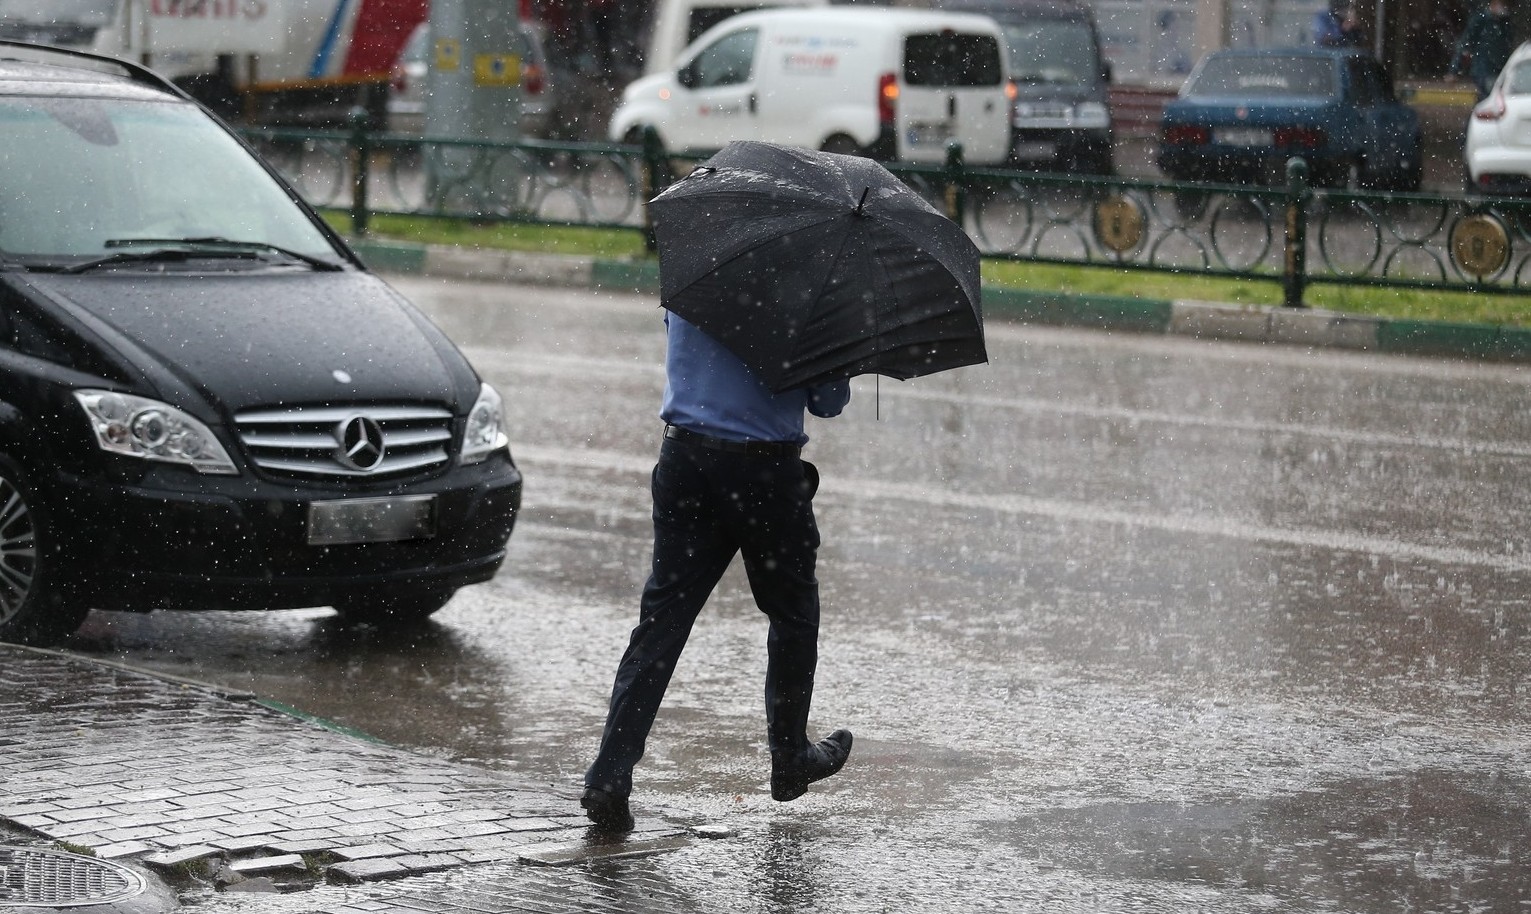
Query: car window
[[76, 173], [952, 59], [1051, 51], [1246, 77], [1519, 80], [728, 61]]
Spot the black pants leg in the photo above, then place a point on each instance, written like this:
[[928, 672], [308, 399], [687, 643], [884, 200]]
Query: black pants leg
[[709, 505]]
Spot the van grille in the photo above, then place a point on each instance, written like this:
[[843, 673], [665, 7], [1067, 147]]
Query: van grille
[[346, 440]]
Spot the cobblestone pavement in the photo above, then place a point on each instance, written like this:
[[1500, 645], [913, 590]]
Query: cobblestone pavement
[[176, 778]]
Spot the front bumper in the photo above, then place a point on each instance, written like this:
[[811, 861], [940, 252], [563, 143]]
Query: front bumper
[[1062, 149], [175, 540]]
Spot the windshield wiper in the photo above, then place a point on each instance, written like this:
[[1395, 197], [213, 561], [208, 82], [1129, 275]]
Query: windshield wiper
[[162, 255], [237, 248]]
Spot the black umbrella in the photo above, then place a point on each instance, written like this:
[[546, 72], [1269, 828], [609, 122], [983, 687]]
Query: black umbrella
[[812, 266]]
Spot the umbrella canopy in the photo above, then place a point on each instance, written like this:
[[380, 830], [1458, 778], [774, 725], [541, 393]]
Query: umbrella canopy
[[813, 266]]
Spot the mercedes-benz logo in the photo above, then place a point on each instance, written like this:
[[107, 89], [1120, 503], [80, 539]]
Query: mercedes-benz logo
[[361, 443]]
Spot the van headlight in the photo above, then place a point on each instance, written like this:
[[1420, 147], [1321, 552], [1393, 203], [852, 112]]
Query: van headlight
[[151, 430], [485, 431]]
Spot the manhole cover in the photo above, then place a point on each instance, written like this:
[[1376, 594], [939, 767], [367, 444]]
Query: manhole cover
[[35, 878]]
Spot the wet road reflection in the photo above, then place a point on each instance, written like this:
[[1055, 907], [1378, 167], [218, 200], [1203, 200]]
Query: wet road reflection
[[1121, 623]]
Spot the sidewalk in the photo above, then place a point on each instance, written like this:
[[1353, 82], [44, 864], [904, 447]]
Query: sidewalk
[[191, 787], [1207, 320]]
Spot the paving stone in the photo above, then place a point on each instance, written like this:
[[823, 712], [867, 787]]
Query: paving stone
[[242, 844], [267, 864], [181, 855], [122, 849], [366, 870], [366, 851], [302, 847]]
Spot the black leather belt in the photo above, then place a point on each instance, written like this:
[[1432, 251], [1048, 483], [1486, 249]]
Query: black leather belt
[[752, 448]]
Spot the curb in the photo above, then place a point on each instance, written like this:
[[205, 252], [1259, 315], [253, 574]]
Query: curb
[[1204, 320]]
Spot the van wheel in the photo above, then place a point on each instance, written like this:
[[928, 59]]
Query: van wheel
[[32, 609], [393, 608], [842, 144]]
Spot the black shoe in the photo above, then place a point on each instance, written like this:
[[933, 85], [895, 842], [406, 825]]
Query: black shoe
[[608, 811], [790, 776]]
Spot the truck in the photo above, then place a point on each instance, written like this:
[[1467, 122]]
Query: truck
[[298, 62]]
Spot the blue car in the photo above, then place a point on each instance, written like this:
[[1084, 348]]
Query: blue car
[[1244, 113]]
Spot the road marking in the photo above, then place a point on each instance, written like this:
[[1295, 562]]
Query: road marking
[[870, 490], [541, 365]]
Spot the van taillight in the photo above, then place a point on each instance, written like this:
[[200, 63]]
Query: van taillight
[[531, 80], [1491, 108], [887, 99]]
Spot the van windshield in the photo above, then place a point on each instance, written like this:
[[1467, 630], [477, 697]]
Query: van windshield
[[952, 59], [1052, 52], [76, 173]]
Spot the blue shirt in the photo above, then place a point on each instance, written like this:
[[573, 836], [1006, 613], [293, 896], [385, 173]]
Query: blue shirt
[[709, 390]]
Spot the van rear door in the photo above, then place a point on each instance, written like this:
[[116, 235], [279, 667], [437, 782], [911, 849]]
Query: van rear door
[[953, 88]]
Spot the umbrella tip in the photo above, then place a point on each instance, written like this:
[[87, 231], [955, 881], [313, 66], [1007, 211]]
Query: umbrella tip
[[863, 201]]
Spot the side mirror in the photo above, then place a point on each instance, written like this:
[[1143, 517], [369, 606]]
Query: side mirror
[[686, 76], [1105, 71]]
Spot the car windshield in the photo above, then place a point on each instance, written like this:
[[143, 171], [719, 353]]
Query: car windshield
[[1253, 77], [1051, 51], [77, 173]]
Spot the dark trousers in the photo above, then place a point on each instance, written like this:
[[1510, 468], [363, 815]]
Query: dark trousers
[[709, 505]]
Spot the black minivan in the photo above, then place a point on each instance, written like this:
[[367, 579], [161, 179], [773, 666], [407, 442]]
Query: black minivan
[[206, 400], [1061, 119]]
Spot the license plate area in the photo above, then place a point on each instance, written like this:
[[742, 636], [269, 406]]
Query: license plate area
[[929, 134], [371, 520], [1243, 136], [1034, 150]]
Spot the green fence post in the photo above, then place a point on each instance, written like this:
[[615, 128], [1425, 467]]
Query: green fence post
[[361, 155], [656, 177], [956, 184], [1295, 266]]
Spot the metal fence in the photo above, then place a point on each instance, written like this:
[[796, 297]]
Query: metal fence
[[1296, 235]]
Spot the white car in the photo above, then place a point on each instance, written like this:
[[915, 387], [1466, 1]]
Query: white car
[[1499, 131]]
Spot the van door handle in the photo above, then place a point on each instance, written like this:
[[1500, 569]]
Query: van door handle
[[754, 102], [951, 106]]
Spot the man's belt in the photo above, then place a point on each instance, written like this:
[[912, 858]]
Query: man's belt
[[751, 448]]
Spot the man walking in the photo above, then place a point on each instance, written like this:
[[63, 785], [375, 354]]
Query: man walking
[[1485, 45], [1338, 26], [730, 479]]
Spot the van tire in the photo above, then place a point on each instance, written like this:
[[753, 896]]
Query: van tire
[[842, 144], [33, 607]]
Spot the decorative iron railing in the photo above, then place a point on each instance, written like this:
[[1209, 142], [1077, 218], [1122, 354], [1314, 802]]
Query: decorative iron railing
[[1295, 235]]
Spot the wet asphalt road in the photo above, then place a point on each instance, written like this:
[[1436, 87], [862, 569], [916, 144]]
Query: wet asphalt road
[[1120, 622]]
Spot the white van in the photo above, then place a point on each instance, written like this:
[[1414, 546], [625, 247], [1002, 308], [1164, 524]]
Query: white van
[[894, 84]]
